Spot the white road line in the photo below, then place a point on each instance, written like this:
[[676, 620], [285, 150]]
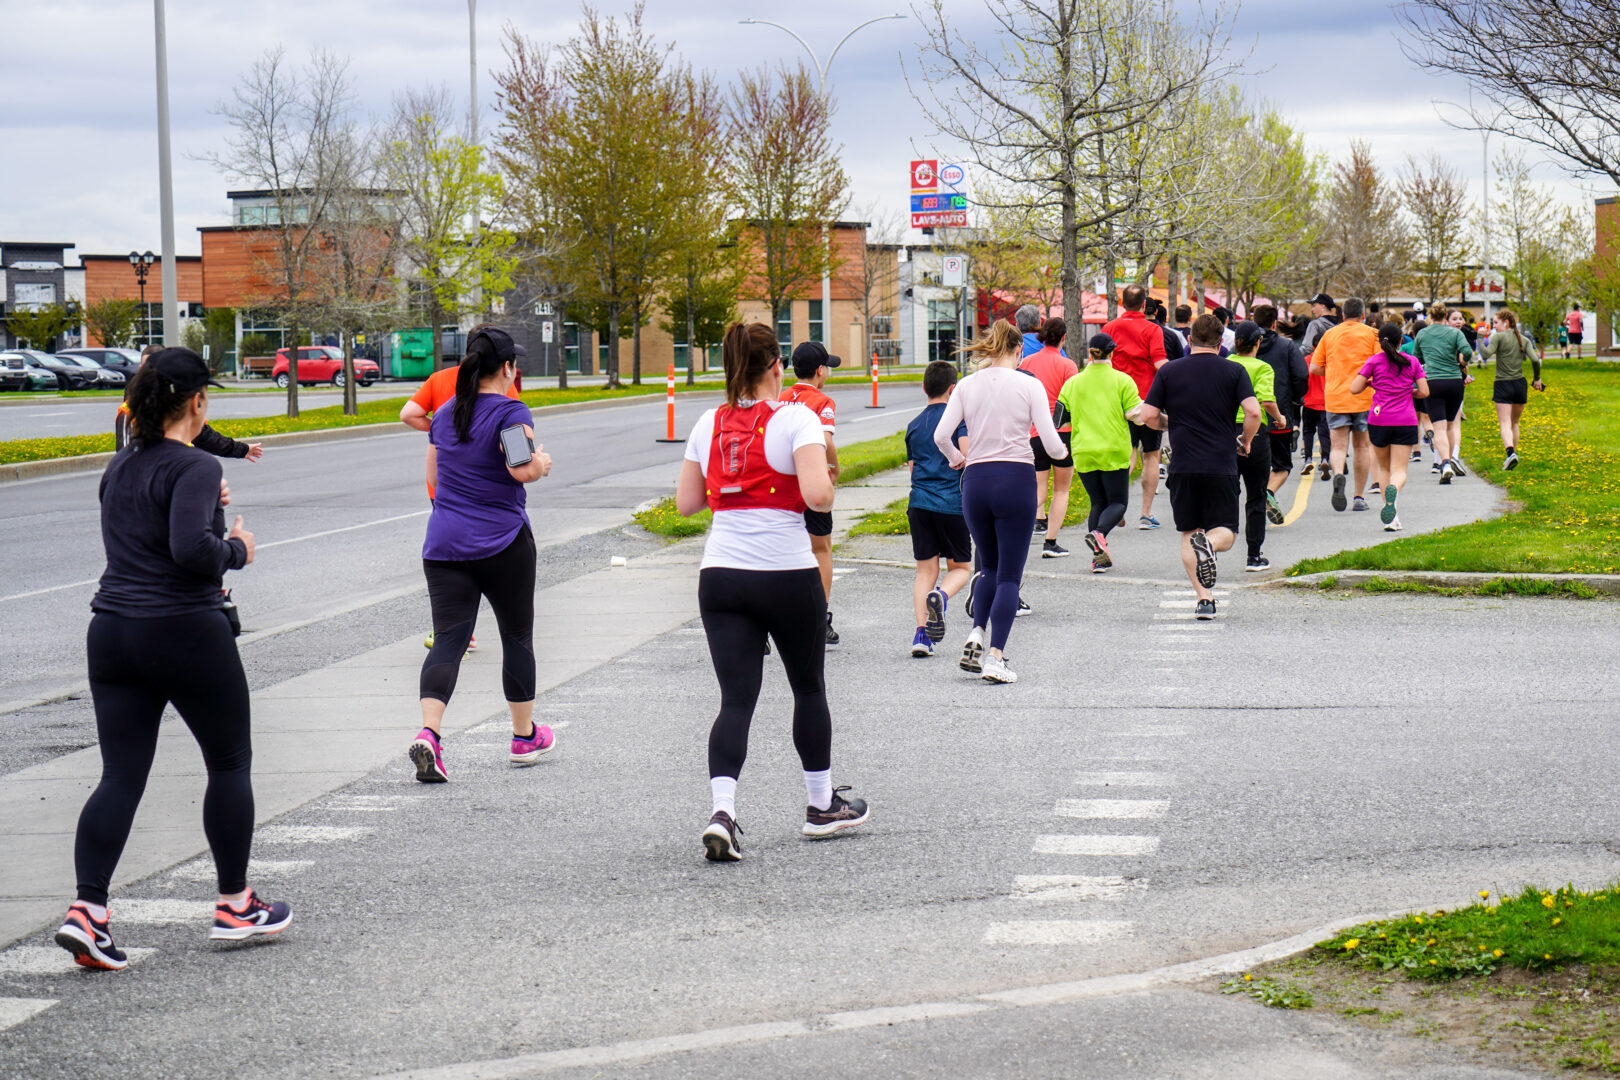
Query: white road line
[[258, 869], [1056, 932], [53, 588], [1070, 844], [1156, 733], [346, 528], [1048, 888], [51, 960], [14, 1010], [1183, 603], [159, 912], [1124, 779], [1217, 593], [1103, 759], [1166, 616], [309, 834], [1111, 808]]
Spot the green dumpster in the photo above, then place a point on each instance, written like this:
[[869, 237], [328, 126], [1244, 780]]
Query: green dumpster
[[410, 353]]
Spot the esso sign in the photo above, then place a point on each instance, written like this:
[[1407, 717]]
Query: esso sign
[[952, 175], [924, 175]]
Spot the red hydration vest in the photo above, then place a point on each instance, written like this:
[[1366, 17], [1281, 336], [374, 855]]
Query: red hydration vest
[[739, 477]]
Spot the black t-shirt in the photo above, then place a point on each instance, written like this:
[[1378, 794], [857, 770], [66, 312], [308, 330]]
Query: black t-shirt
[[163, 529], [1174, 346], [1201, 393]]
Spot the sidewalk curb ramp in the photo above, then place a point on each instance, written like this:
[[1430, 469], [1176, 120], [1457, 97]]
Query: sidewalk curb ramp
[[1608, 584], [1058, 993]]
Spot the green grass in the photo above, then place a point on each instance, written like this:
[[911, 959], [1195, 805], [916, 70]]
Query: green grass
[[1518, 586], [889, 521], [1566, 488]]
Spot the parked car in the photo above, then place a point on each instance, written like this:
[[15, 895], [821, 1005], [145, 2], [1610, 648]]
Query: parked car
[[69, 376], [124, 361], [105, 378], [14, 372], [322, 363]]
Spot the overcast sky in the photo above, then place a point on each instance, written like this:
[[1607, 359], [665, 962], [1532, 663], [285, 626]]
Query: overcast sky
[[79, 143]]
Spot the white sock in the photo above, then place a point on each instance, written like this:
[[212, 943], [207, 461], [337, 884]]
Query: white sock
[[97, 912], [818, 788], [725, 794]]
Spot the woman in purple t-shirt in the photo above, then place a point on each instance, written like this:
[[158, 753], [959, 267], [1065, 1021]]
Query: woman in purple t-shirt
[[479, 546], [1397, 380]]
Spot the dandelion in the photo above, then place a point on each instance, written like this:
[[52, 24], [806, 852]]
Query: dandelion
[[1484, 894], [1547, 901], [1482, 948], [1557, 921], [1418, 919], [1546, 956], [1248, 978], [1352, 943], [1497, 953], [1434, 961], [1429, 942]]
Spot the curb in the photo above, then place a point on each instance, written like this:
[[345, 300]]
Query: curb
[[33, 470], [1608, 584]]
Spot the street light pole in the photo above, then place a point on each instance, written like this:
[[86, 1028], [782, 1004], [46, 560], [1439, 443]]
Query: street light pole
[[171, 298], [143, 265], [821, 74]]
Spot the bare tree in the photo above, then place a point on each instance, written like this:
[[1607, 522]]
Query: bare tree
[[1545, 70], [1437, 199], [875, 276], [1365, 229]]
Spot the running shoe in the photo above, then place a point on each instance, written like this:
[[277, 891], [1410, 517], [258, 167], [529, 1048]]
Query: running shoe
[[1417, 455], [1146, 522], [973, 583], [1510, 462], [1387, 514], [252, 919], [1394, 524], [1338, 492], [832, 635], [428, 757], [922, 644], [472, 643], [1274, 511], [1359, 503], [1428, 438], [1052, 550], [90, 941], [1257, 564], [720, 839], [1456, 467], [1164, 471], [1325, 472], [1447, 471], [1204, 553], [996, 670], [1023, 609], [1434, 466], [541, 741], [1308, 469], [1205, 610], [1100, 559], [973, 651], [840, 815], [936, 602], [1040, 525]]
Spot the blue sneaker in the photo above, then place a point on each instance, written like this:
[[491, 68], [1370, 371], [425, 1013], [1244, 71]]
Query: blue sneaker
[[936, 603], [1147, 521], [921, 645]]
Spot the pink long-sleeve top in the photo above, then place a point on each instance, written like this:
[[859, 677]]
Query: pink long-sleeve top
[[999, 406]]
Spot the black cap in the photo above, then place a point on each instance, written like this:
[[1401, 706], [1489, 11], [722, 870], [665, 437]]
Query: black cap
[[497, 340], [185, 370], [1324, 299], [810, 356], [1246, 332], [1100, 343]]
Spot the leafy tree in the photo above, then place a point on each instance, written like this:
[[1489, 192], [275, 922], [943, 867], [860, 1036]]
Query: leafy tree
[[40, 326], [1546, 245], [113, 322], [1437, 199], [701, 301]]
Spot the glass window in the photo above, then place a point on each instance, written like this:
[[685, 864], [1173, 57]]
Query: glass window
[[817, 328], [941, 330], [784, 330]]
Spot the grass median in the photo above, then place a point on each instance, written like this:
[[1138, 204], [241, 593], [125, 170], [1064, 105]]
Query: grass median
[[1566, 490]]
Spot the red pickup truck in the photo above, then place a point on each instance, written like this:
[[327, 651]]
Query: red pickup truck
[[322, 363]]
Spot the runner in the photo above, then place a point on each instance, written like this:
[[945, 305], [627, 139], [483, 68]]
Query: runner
[[1443, 352], [1101, 405], [998, 484], [1324, 317], [811, 366], [1195, 399], [1028, 319], [1183, 324], [479, 546], [759, 463], [207, 440], [1574, 324], [1254, 468], [1338, 356], [1139, 353], [1228, 337], [1290, 380], [1396, 380], [159, 635], [1507, 348], [1053, 369], [934, 513]]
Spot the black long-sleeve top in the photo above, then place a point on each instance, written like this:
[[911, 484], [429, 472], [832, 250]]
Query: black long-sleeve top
[[163, 529], [207, 439]]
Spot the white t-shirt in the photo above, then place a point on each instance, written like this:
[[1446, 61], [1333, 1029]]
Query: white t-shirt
[[764, 539]]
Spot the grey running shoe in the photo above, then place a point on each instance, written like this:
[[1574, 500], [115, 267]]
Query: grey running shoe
[[1274, 512], [973, 652], [720, 839], [1338, 492], [1358, 503], [1205, 610], [842, 814], [1510, 462], [1447, 471], [936, 604], [1456, 467], [1205, 554], [996, 670]]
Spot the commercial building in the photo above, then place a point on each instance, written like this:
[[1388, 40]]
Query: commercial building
[[33, 274], [114, 277]]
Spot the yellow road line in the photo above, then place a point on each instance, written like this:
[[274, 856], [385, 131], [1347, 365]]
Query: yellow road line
[[1302, 495]]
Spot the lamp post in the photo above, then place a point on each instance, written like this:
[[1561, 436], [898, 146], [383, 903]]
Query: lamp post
[[821, 74], [171, 297], [142, 262]]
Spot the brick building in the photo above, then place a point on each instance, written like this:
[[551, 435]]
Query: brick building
[[112, 277]]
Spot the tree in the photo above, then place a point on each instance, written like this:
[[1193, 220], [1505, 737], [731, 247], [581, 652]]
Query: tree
[[701, 298], [874, 277], [219, 333], [1544, 69], [1365, 230], [786, 181], [41, 325], [112, 322], [291, 133], [1437, 199], [351, 268], [1545, 243]]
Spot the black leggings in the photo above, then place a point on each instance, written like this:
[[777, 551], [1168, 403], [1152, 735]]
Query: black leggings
[[739, 608], [1109, 492], [1255, 469], [138, 666], [1313, 425], [454, 589]]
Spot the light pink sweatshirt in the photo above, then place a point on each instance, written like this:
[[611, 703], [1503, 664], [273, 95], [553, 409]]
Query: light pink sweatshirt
[[1000, 405]]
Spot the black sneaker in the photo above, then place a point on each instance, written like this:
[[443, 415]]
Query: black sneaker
[[258, 917], [90, 941], [720, 839], [1256, 564], [1274, 512], [1434, 466], [1205, 554], [1339, 502], [973, 583], [1023, 608], [842, 814], [1447, 471], [1456, 467], [1040, 525], [1052, 550], [1417, 455], [832, 635], [1205, 610]]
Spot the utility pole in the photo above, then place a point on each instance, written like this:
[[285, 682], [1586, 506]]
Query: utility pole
[[171, 296]]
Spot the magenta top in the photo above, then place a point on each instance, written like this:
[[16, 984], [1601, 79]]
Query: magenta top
[[1392, 404]]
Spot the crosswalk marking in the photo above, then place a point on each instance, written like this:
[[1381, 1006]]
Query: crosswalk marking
[[1111, 808], [1182, 604], [50, 960], [160, 912], [1055, 932], [258, 869], [1048, 888], [1069, 844], [1124, 779], [1216, 593], [310, 834], [14, 1010]]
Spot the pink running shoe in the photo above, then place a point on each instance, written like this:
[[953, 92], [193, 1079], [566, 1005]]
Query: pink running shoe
[[1098, 543], [528, 751], [428, 757]]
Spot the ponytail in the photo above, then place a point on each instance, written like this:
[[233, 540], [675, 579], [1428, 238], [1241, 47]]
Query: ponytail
[[489, 349], [1002, 339], [154, 404], [748, 352], [1389, 337]]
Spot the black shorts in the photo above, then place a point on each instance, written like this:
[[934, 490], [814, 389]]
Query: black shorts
[[1282, 450], [1044, 461], [1382, 435], [1511, 391], [818, 522], [1445, 401], [1149, 439], [1575, 338], [934, 534], [1204, 501]]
